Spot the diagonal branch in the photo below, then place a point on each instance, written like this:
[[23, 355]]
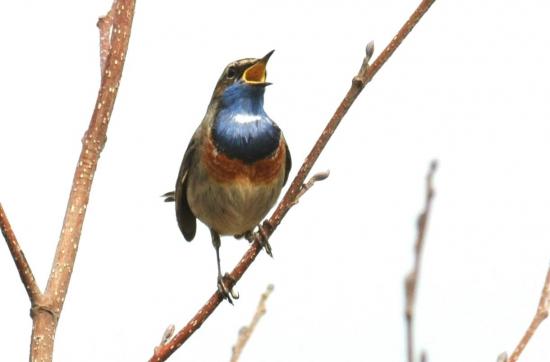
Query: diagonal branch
[[543, 309], [366, 73], [411, 280], [23, 267]]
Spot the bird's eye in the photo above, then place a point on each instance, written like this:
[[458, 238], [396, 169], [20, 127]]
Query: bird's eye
[[231, 73]]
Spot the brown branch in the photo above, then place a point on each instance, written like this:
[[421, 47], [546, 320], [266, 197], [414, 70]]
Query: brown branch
[[46, 307], [542, 313], [246, 331], [23, 267], [366, 73], [411, 280]]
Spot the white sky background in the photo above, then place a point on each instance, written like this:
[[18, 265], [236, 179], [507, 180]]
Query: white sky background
[[469, 87]]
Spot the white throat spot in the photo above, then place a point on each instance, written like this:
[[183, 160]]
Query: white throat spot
[[246, 118]]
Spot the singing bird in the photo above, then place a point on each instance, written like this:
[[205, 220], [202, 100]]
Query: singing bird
[[236, 163]]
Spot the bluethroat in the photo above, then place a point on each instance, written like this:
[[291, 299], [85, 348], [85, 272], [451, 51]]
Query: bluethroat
[[236, 163]]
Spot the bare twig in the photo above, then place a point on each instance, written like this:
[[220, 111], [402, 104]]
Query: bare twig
[[364, 76], [246, 331], [46, 307], [168, 333], [23, 267], [105, 26], [542, 313], [411, 280], [319, 176]]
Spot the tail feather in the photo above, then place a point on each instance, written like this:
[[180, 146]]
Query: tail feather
[[169, 196]]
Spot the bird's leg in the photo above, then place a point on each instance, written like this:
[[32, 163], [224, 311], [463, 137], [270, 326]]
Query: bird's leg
[[227, 293]]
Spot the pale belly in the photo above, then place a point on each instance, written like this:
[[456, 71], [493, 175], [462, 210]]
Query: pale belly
[[231, 208]]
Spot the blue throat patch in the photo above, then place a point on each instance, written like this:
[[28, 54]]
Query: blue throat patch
[[242, 129]]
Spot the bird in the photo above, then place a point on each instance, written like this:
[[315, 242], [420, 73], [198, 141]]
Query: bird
[[235, 164]]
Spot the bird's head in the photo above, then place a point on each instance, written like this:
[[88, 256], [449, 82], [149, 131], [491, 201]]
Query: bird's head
[[242, 77]]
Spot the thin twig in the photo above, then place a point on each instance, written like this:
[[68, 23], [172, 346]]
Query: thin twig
[[319, 176], [23, 267], [364, 76], [246, 331], [542, 313], [46, 307], [105, 26], [411, 280], [168, 333]]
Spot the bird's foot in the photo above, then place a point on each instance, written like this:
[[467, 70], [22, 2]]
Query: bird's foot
[[248, 235], [225, 287], [264, 239], [245, 235]]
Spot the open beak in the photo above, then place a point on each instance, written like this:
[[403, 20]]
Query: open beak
[[256, 73]]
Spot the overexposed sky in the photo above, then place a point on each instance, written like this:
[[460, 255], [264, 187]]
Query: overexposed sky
[[469, 87]]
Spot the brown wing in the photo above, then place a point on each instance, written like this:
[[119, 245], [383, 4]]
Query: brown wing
[[187, 222], [288, 163]]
